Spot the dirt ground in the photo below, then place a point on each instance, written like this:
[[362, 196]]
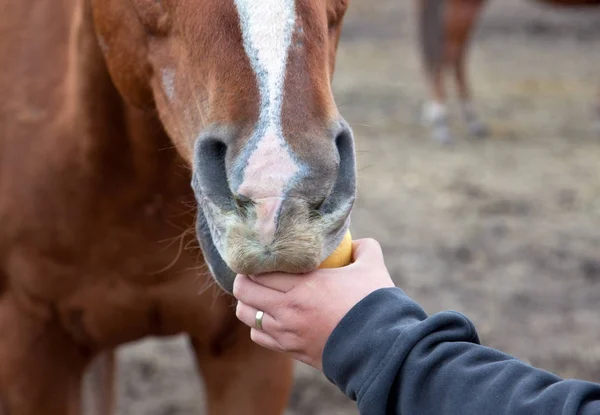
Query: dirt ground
[[505, 230]]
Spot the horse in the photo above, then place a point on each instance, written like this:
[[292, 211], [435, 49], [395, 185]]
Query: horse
[[150, 151], [445, 28]]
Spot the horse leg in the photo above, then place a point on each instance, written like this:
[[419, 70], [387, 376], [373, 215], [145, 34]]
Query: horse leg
[[461, 16], [432, 44], [40, 366], [242, 377], [98, 385]]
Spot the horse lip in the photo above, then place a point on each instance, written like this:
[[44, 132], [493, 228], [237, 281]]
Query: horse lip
[[223, 275]]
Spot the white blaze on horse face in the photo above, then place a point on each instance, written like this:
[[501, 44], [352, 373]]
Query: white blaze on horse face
[[270, 168]]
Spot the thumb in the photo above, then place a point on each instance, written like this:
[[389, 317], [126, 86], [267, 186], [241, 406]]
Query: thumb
[[366, 250]]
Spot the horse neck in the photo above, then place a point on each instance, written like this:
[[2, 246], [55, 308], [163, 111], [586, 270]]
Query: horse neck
[[116, 139]]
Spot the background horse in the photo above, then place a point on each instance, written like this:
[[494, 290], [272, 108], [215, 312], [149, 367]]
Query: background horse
[[110, 110], [445, 28]]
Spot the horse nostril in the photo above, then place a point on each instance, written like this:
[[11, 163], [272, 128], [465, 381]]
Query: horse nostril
[[316, 206], [243, 203], [314, 209], [210, 166], [344, 188]]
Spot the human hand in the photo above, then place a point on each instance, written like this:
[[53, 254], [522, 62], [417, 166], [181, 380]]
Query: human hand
[[301, 311]]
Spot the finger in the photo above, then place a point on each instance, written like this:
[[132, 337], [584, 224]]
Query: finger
[[247, 315], [256, 295], [263, 339], [366, 250], [277, 281]]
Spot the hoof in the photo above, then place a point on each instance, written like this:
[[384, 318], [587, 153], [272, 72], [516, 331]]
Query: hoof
[[478, 130]]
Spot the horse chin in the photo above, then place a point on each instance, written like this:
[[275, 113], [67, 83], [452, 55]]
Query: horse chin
[[221, 273]]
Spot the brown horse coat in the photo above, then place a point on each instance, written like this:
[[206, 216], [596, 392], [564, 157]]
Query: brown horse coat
[[97, 242]]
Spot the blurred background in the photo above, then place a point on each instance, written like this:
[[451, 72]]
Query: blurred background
[[505, 230]]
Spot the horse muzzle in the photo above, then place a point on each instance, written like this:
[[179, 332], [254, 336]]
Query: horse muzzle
[[255, 230]]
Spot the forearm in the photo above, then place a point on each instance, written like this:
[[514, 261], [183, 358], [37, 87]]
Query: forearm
[[389, 356]]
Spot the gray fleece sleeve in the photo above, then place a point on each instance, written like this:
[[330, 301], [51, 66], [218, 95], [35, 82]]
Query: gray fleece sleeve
[[390, 357]]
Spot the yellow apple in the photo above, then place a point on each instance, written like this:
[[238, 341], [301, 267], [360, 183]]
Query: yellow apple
[[342, 255]]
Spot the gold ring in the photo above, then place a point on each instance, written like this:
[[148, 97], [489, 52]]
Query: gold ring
[[258, 319]]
